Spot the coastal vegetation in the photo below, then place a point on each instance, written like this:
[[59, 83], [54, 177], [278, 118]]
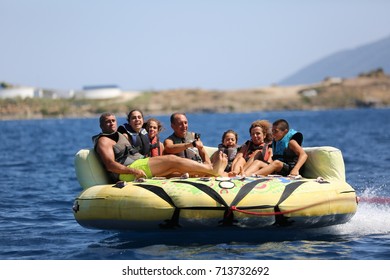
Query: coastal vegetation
[[367, 90]]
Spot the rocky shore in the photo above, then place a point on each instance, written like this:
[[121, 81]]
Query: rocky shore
[[363, 91]]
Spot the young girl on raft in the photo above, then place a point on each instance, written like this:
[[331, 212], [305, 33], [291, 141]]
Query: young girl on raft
[[229, 147]]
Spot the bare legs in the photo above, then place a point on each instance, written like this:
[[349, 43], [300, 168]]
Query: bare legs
[[254, 167], [169, 164], [238, 166], [270, 168], [248, 168]]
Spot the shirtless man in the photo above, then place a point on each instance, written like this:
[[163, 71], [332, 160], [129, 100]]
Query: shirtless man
[[115, 152]]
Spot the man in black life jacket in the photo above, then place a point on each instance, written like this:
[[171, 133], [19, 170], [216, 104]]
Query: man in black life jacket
[[115, 153], [184, 143]]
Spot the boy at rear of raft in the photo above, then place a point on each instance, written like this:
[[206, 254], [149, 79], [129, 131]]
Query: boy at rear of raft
[[288, 154]]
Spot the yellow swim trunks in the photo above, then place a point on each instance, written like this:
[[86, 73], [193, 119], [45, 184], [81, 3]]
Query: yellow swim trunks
[[142, 164]]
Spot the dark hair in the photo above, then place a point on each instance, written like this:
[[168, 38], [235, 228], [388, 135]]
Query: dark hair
[[282, 124], [131, 112], [173, 116], [104, 116], [229, 131]]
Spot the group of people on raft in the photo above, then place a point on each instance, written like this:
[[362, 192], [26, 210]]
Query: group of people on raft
[[134, 151]]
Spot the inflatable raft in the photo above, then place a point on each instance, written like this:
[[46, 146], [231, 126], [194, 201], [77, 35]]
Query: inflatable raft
[[320, 198]]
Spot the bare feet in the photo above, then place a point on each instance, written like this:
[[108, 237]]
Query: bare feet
[[220, 165]]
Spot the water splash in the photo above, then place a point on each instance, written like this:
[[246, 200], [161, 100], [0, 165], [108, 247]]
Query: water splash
[[372, 217]]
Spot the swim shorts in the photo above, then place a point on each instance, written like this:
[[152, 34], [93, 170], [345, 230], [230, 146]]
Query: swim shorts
[[286, 169], [142, 164]]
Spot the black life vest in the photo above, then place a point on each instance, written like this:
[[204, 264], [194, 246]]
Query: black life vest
[[231, 153], [123, 151], [191, 153], [139, 141]]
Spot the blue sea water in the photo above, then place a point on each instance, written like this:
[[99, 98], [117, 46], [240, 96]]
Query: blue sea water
[[39, 185]]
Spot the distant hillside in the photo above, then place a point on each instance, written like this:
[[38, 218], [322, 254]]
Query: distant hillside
[[369, 90], [345, 64]]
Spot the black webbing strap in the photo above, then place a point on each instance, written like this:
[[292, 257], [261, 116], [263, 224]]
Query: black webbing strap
[[288, 190], [160, 192], [228, 218], [228, 215], [245, 189], [207, 190]]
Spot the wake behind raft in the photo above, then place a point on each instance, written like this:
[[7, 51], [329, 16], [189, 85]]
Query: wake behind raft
[[320, 198]]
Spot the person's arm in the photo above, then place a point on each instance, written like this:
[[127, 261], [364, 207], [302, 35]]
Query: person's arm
[[106, 153], [302, 156], [202, 151], [270, 154], [172, 148], [161, 148], [239, 161], [239, 155], [214, 156], [255, 156]]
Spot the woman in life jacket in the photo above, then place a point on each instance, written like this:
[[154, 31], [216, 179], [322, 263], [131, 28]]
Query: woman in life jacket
[[257, 148], [229, 147], [154, 127], [134, 131]]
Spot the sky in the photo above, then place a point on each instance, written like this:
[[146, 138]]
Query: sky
[[170, 44]]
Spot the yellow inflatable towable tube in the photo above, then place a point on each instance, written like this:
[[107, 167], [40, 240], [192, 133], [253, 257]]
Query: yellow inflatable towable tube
[[321, 198]]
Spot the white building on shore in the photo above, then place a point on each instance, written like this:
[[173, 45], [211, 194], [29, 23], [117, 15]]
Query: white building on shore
[[98, 92], [90, 92], [21, 92]]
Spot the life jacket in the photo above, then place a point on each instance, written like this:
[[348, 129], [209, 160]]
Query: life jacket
[[280, 148], [123, 151], [139, 141], [191, 153], [231, 153], [251, 148], [155, 147]]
